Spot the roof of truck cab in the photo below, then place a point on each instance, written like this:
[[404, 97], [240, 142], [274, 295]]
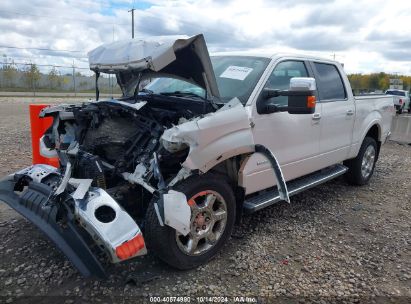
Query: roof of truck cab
[[268, 54]]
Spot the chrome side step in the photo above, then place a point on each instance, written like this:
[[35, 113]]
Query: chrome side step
[[272, 196]]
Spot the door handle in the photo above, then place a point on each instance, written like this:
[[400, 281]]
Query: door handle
[[316, 116], [350, 112]]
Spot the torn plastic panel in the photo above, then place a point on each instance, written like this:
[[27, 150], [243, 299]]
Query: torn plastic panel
[[177, 212], [171, 206], [281, 184]]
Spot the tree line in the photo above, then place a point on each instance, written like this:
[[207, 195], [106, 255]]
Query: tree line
[[30, 75], [364, 83]]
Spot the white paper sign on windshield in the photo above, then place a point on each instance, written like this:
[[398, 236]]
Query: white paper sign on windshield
[[236, 72]]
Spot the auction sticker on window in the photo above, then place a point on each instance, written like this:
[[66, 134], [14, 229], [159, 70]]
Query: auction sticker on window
[[236, 72]]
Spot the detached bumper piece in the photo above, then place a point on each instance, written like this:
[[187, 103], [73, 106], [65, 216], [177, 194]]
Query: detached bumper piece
[[111, 227], [75, 218], [33, 205]]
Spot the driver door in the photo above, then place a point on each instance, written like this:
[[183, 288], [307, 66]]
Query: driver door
[[293, 139]]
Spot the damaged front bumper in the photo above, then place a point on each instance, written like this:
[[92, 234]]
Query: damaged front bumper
[[74, 221]]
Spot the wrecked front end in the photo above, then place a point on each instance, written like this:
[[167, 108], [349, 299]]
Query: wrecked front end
[[112, 165], [117, 158]]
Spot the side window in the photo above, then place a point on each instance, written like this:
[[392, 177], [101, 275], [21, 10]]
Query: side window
[[329, 82], [280, 78]]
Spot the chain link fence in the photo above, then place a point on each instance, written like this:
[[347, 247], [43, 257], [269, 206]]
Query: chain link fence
[[38, 79]]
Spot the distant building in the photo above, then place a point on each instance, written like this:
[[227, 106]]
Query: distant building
[[396, 83]]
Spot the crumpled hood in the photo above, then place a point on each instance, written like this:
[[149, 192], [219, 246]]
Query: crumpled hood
[[180, 57]]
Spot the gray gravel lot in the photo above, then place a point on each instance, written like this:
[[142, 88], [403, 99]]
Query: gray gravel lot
[[334, 241]]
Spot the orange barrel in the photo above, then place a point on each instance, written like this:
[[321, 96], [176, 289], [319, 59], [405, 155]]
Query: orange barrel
[[38, 127]]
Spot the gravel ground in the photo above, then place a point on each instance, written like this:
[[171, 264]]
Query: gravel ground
[[349, 244]]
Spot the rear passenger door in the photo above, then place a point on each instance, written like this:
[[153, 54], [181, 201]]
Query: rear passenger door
[[337, 113]]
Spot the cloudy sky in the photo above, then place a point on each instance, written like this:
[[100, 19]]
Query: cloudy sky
[[366, 35]]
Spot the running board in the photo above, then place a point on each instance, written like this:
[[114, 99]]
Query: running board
[[271, 197]]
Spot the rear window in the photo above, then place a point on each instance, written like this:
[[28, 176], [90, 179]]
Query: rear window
[[329, 82], [398, 93]]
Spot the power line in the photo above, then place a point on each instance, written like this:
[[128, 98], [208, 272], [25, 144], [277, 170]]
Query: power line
[[29, 59], [99, 3], [39, 49], [59, 18], [45, 65]]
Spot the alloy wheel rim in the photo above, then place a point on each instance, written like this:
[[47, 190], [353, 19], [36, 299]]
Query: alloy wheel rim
[[368, 161], [207, 224]]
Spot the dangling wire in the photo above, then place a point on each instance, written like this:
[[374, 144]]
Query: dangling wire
[[97, 90], [136, 90]]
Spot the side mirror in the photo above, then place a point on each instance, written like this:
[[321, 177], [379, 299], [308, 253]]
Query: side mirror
[[301, 97]]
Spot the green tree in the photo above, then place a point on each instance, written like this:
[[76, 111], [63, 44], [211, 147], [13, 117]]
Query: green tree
[[373, 82], [406, 82], [355, 81], [10, 74], [54, 78], [32, 76]]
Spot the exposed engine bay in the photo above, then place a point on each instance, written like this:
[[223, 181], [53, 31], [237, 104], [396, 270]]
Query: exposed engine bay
[[113, 163], [108, 141]]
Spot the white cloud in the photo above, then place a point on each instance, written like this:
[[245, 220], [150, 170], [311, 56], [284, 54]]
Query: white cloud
[[368, 36]]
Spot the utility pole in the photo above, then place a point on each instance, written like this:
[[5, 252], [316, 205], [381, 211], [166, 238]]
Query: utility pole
[[132, 22], [74, 79]]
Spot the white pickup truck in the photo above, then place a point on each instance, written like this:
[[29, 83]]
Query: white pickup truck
[[171, 167], [401, 100]]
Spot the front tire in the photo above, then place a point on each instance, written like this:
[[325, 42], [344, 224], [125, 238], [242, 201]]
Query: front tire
[[361, 168], [213, 206]]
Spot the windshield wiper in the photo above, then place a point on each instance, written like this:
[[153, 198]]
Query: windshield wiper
[[146, 91], [182, 94], [190, 94]]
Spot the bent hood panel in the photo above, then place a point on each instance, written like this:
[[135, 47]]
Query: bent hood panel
[[173, 56]]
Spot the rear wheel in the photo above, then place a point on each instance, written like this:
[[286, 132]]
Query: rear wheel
[[213, 208], [361, 168]]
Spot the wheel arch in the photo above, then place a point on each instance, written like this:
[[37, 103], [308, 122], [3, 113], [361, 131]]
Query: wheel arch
[[229, 169], [374, 132]]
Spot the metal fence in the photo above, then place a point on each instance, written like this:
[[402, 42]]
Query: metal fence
[[42, 78]]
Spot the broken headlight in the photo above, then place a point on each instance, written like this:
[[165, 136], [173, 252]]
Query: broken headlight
[[173, 147]]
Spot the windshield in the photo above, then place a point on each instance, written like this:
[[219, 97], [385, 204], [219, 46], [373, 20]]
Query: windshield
[[398, 93], [236, 77]]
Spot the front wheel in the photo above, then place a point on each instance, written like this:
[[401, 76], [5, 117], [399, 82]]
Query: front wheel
[[361, 168], [213, 209]]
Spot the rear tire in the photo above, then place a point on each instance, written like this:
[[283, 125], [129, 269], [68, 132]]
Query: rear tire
[[361, 168], [177, 250]]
